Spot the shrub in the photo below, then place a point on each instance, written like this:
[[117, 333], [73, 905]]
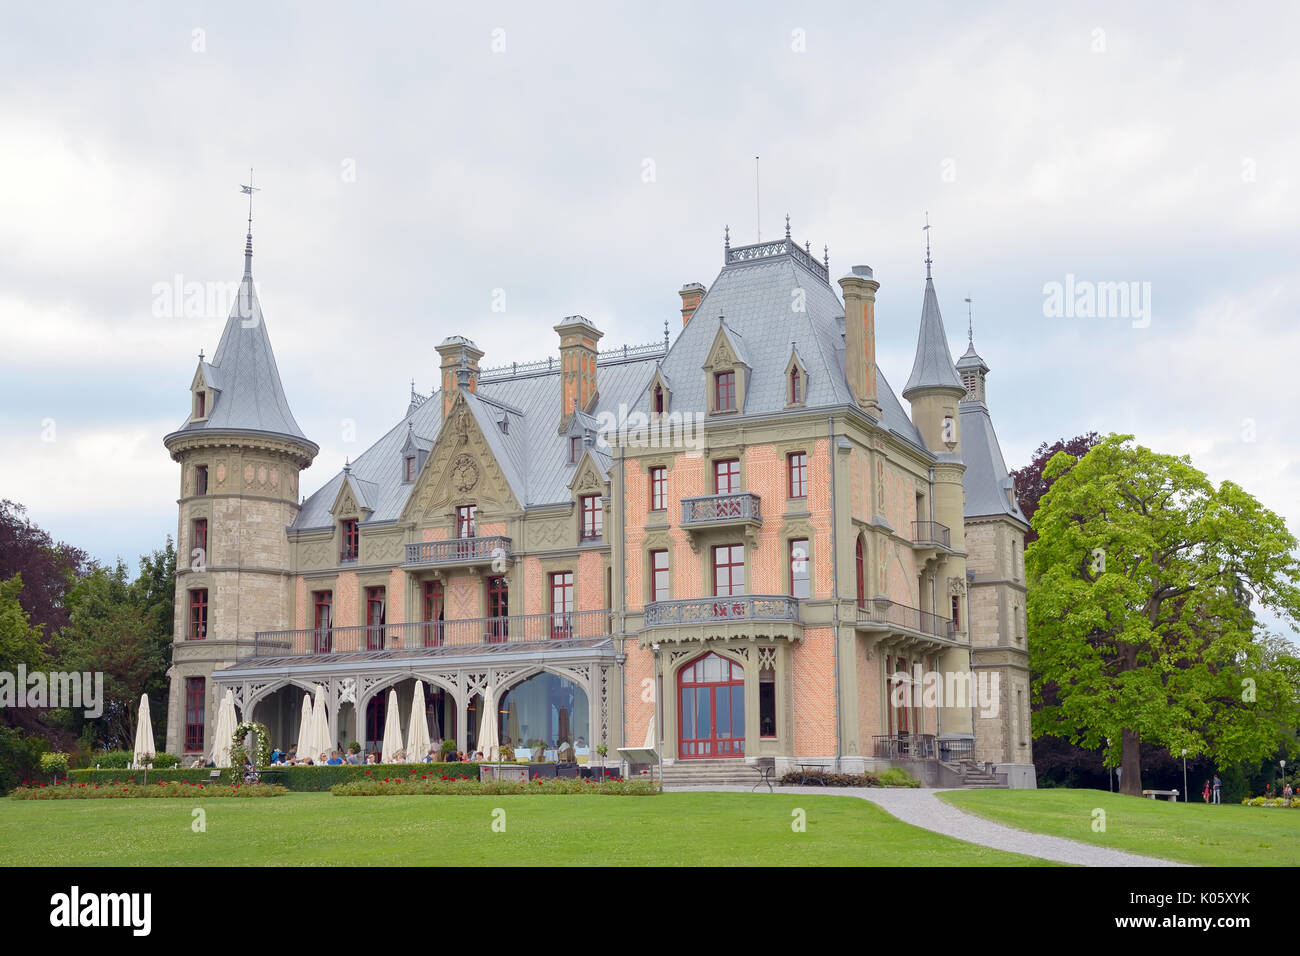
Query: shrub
[[54, 765], [898, 777], [131, 790], [20, 757], [431, 785], [894, 777], [296, 779]]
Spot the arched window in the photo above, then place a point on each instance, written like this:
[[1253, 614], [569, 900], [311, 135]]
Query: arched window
[[860, 564]]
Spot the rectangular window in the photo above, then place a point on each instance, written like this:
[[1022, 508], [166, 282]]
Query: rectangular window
[[575, 448], [195, 705], [658, 489], [375, 601], [322, 602], [795, 390], [767, 703], [800, 573], [351, 540], [726, 477], [198, 614], [202, 404], [956, 612], [498, 609], [593, 518], [465, 521], [200, 479], [798, 468], [562, 604], [724, 391], [433, 613], [410, 467], [659, 576], [728, 569], [200, 540]]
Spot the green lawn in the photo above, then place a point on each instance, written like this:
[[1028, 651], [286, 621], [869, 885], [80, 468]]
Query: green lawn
[[1226, 835], [314, 829]]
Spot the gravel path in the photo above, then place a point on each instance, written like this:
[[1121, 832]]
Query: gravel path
[[923, 809]]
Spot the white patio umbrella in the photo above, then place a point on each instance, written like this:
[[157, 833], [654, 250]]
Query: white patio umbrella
[[305, 723], [417, 730], [392, 730], [487, 732], [224, 730], [320, 733], [144, 745], [650, 742]]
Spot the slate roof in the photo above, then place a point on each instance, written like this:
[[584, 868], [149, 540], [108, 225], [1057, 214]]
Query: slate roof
[[986, 479], [249, 395], [933, 366]]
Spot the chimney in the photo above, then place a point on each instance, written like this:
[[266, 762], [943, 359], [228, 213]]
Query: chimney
[[859, 289], [691, 294], [458, 368], [578, 341]]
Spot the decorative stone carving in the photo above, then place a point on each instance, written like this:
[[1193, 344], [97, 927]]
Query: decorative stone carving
[[464, 473], [347, 689]]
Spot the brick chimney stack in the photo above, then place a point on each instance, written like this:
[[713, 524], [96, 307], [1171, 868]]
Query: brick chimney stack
[[859, 289], [458, 368], [578, 341], [691, 294]]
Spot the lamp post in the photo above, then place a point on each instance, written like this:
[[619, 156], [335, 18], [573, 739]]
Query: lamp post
[[1283, 786], [659, 725], [1184, 775], [1110, 779]]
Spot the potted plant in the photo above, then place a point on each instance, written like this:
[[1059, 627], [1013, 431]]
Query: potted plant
[[448, 747]]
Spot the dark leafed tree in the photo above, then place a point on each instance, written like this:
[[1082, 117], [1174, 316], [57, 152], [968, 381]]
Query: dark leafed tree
[[48, 568], [1030, 483], [1140, 590]]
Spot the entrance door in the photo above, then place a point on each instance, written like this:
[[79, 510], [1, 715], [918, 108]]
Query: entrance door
[[711, 708]]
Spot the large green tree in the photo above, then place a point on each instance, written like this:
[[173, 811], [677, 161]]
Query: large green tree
[[1140, 590]]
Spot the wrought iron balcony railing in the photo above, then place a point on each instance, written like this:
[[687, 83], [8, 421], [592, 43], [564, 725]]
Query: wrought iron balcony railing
[[739, 607], [721, 509], [417, 635], [904, 746], [460, 551], [931, 532], [882, 613]]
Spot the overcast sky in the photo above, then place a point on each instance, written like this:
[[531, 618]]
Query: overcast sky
[[584, 159]]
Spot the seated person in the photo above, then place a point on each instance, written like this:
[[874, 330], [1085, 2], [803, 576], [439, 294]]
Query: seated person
[[353, 757], [335, 760], [431, 756], [371, 758]]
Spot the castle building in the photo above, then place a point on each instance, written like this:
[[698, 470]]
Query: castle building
[[736, 543]]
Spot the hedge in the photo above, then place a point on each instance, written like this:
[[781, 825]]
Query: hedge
[[893, 777], [122, 759], [297, 779], [162, 789], [427, 784]]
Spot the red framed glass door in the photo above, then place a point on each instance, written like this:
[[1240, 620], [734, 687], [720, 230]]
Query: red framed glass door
[[711, 709]]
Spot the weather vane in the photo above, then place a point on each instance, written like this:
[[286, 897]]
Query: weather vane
[[248, 191], [926, 230], [970, 323]]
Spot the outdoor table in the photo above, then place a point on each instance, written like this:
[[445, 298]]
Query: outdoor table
[[808, 769]]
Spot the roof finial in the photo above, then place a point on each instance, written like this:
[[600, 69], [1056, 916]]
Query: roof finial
[[807, 247], [787, 225], [347, 466], [200, 355], [248, 244], [926, 230], [970, 324], [665, 334], [826, 258], [726, 238]]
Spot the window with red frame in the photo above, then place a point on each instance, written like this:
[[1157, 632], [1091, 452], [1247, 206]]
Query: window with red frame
[[465, 521], [659, 575], [800, 572], [797, 464], [726, 477], [433, 613], [351, 540], [658, 489], [795, 384], [593, 518], [200, 479], [195, 705], [375, 612], [198, 614], [322, 602], [200, 539], [498, 608], [562, 604], [659, 400], [724, 391], [728, 569], [202, 404], [410, 467]]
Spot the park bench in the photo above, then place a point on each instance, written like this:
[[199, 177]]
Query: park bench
[[1171, 795]]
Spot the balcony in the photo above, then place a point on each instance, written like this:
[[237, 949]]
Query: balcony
[[931, 534], [738, 510], [883, 615], [422, 635], [461, 552], [775, 615]]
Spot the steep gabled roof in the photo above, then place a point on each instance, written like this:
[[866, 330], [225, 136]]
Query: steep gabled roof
[[986, 479]]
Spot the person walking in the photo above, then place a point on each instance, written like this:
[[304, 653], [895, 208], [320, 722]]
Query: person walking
[[1218, 786], [1205, 794]]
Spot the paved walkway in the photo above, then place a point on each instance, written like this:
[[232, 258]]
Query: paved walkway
[[923, 809]]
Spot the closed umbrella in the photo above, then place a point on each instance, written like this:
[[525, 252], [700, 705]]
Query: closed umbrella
[[225, 730], [320, 734], [487, 733], [417, 731], [144, 746], [305, 721], [392, 730], [650, 742]]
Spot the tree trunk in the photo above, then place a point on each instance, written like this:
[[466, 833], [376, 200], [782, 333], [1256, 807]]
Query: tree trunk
[[1130, 780]]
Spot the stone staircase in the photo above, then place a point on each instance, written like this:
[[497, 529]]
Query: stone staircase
[[710, 773], [977, 778]]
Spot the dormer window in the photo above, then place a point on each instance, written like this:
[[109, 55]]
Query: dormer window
[[796, 391], [724, 391], [575, 449], [200, 404], [408, 468], [659, 400], [351, 540]]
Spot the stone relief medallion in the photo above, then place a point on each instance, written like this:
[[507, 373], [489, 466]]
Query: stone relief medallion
[[248, 474], [464, 473]]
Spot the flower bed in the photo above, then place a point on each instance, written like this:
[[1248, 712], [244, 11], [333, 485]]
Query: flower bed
[[893, 777], [429, 784], [118, 790], [1293, 803], [297, 779]]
